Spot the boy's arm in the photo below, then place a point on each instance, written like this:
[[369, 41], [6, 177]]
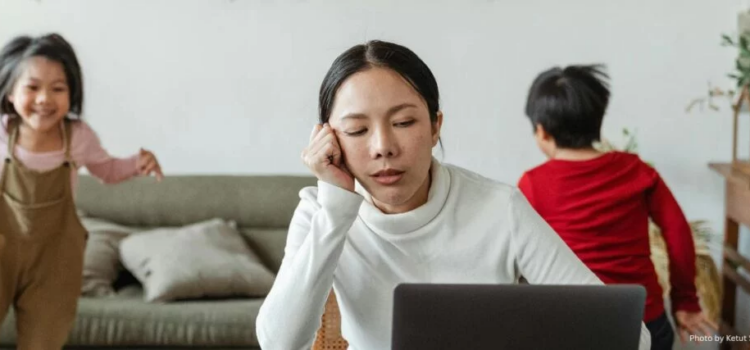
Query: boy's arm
[[524, 184], [666, 213]]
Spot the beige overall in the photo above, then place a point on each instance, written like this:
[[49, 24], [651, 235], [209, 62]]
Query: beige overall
[[41, 249]]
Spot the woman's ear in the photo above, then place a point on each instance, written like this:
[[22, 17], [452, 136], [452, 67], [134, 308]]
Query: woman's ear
[[436, 128]]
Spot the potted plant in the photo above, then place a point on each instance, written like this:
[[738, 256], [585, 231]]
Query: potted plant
[[740, 95]]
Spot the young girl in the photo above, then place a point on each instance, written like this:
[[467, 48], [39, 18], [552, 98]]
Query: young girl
[[386, 212], [44, 142]]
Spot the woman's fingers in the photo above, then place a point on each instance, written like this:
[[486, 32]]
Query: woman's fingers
[[315, 130]]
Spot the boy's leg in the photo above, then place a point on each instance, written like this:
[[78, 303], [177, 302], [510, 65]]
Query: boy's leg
[[662, 334], [46, 307]]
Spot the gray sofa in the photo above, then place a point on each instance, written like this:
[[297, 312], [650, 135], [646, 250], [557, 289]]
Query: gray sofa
[[262, 206]]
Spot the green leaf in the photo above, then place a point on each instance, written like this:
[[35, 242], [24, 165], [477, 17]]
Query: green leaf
[[734, 76], [743, 41], [726, 40]]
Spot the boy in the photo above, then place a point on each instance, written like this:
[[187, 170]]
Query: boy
[[600, 203]]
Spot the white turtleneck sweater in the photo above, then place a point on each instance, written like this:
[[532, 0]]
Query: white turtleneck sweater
[[471, 230]]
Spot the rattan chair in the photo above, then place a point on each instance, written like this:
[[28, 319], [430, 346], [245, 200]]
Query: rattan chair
[[707, 279], [329, 335]]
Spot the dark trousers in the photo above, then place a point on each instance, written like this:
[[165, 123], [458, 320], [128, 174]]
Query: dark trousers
[[662, 335]]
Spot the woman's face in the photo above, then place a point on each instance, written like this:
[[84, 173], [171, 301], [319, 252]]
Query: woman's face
[[386, 136]]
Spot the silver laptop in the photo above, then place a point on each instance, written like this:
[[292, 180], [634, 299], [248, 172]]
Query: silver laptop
[[517, 317]]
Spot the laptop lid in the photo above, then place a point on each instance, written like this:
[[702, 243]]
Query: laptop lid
[[517, 317]]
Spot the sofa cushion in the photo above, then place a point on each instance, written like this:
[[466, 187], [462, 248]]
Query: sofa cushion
[[127, 320], [269, 243], [251, 201], [101, 263], [200, 260]]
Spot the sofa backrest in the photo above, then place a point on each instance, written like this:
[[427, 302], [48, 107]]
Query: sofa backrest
[[261, 205]]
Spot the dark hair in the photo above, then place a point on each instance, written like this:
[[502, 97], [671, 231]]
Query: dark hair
[[377, 53], [570, 104], [51, 46]]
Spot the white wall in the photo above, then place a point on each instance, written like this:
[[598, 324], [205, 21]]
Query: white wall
[[231, 86]]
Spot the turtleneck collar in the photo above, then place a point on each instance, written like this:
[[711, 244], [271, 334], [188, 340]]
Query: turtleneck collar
[[397, 226]]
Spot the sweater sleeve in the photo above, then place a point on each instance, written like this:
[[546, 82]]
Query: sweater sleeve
[[290, 315], [666, 213], [87, 150], [542, 257], [524, 184]]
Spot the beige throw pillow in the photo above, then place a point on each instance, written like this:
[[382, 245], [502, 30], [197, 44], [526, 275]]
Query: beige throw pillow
[[207, 259], [101, 261]]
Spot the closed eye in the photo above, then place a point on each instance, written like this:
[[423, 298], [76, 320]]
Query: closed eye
[[404, 124], [356, 133]]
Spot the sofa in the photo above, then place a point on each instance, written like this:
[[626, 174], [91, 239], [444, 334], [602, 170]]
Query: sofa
[[261, 206]]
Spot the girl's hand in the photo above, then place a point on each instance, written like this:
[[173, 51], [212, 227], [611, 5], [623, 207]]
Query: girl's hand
[[147, 165]]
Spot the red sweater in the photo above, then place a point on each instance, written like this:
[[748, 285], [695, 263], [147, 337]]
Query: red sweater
[[600, 208]]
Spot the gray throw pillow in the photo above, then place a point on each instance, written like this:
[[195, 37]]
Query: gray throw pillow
[[207, 259], [101, 261]]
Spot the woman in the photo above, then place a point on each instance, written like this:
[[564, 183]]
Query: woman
[[386, 212]]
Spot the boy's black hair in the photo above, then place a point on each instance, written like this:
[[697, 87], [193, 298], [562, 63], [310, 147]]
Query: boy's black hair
[[51, 46], [569, 103]]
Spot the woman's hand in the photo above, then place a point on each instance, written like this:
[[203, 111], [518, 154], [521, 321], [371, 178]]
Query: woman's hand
[[324, 158]]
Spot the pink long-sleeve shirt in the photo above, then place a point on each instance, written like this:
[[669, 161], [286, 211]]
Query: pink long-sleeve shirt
[[85, 150]]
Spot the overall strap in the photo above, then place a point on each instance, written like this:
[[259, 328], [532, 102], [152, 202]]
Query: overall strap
[[13, 132], [66, 133]]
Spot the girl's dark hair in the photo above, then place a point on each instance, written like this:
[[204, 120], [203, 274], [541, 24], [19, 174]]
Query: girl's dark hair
[[383, 54], [569, 103], [51, 46]]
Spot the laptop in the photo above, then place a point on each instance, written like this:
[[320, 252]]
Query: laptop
[[517, 317]]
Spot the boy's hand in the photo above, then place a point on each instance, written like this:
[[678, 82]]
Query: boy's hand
[[695, 323], [147, 164]]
